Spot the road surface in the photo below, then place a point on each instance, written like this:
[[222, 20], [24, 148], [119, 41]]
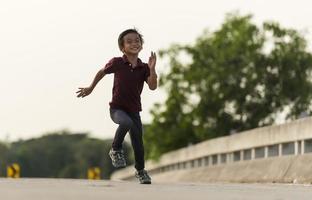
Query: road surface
[[74, 189]]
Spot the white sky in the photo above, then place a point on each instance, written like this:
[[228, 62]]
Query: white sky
[[49, 48]]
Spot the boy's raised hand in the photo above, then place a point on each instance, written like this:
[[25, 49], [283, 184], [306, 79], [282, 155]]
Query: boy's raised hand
[[152, 61], [82, 92]]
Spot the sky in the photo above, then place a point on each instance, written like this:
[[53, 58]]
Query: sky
[[49, 48]]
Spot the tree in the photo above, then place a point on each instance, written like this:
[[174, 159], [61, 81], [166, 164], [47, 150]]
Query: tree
[[3, 158], [61, 155], [236, 78]]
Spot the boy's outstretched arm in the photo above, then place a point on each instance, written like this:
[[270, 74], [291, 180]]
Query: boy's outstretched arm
[[82, 92], [152, 79]]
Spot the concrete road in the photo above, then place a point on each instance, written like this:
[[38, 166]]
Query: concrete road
[[68, 189]]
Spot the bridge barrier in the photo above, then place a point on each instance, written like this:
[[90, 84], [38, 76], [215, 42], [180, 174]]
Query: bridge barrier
[[279, 153]]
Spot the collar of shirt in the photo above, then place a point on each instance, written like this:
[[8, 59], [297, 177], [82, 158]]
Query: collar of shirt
[[126, 61]]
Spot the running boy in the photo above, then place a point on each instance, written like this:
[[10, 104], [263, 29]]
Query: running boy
[[130, 73]]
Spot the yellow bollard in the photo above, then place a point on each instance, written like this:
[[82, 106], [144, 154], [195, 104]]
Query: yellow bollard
[[13, 171], [94, 173]]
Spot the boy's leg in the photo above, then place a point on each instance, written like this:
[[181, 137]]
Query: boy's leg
[[125, 123], [137, 141], [136, 134]]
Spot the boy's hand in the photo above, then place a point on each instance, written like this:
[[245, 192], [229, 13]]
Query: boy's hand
[[82, 92], [152, 79], [152, 61]]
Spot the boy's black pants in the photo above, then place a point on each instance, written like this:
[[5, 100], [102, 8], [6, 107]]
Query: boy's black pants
[[129, 121]]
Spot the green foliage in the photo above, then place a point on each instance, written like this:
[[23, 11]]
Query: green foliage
[[60, 155], [237, 78], [3, 157]]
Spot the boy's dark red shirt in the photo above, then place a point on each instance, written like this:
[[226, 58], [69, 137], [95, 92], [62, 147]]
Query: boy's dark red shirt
[[128, 83]]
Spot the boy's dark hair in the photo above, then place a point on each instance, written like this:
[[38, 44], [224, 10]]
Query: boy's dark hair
[[122, 35]]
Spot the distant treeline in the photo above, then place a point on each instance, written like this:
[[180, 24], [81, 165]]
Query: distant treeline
[[59, 155]]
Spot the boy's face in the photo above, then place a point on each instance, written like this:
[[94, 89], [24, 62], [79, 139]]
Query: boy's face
[[132, 44]]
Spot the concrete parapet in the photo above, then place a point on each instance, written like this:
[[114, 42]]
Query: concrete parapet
[[269, 154], [288, 169]]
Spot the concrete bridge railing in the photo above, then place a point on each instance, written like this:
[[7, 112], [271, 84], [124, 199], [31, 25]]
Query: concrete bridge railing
[[257, 148]]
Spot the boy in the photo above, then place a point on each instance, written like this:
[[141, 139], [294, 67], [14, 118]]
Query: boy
[[130, 73]]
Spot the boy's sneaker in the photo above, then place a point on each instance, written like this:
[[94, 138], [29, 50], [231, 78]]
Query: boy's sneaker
[[143, 177], [118, 158]]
